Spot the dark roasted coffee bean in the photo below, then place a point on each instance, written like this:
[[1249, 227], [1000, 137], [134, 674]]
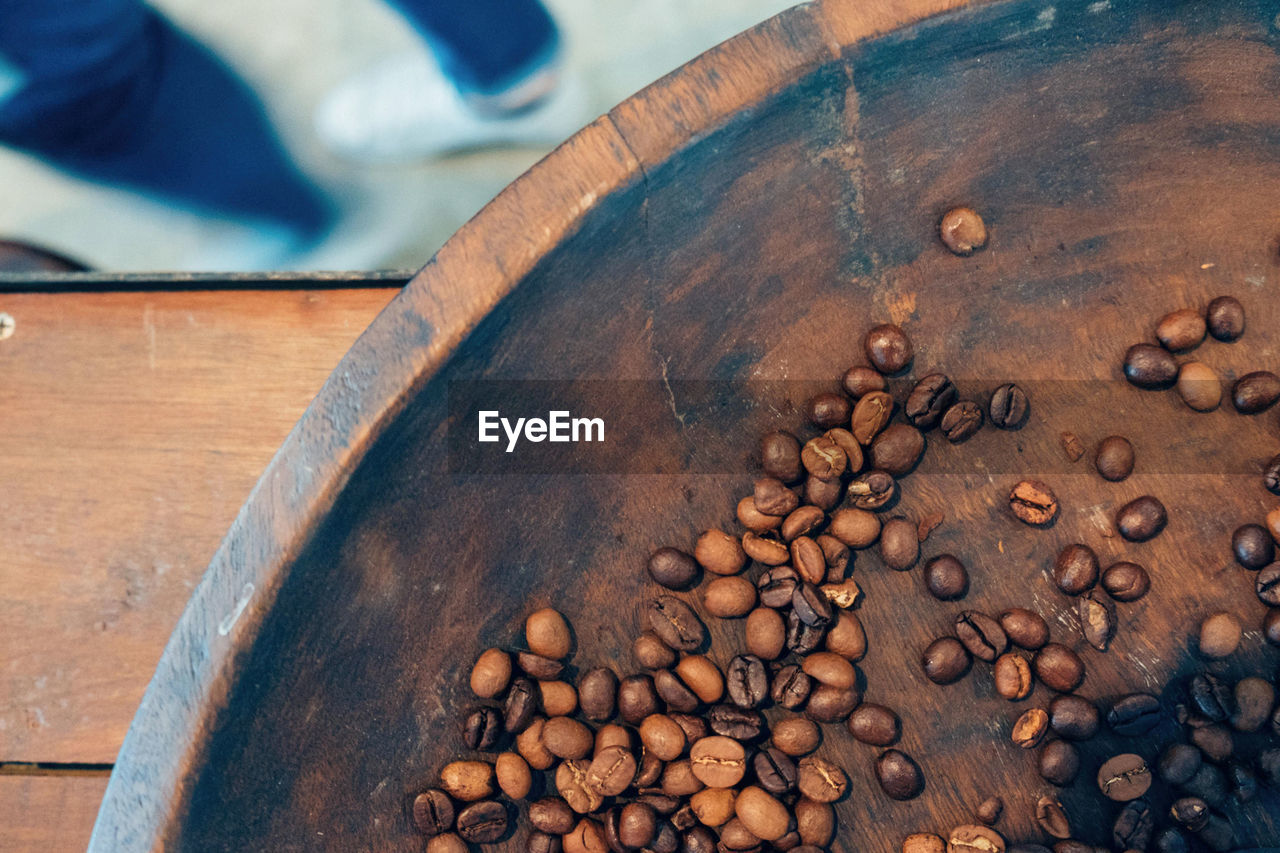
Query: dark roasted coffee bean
[[698, 839], [1244, 785], [1217, 834], [828, 409], [433, 812], [899, 775], [860, 380], [945, 660], [483, 822], [737, 723], [1009, 407], [1172, 841], [673, 568], [1268, 762], [775, 772], [747, 681], [930, 397], [1033, 502], [1209, 785], [1114, 458], [1181, 330], [962, 421], [1058, 668], [1134, 826], [674, 693], [695, 727], [1214, 740], [1179, 763], [637, 825], [1012, 676], [552, 815], [1097, 620], [1255, 392], [597, 693], [1076, 569], [946, 578], [791, 687], [1125, 581], [1141, 519], [1025, 628], [776, 586], [872, 489], [811, 606], [802, 638], [521, 705], [1124, 777], [989, 810], [1252, 546], [824, 494], [481, 728], [1267, 585], [1030, 728], [1271, 475], [780, 456], [1134, 714], [676, 623], [1191, 812], [1225, 318], [772, 497], [539, 668], [875, 725], [981, 635], [661, 803], [888, 348], [899, 544], [1150, 366], [1211, 697], [1271, 626], [665, 838], [1059, 762], [897, 449], [1074, 717], [637, 699], [831, 704], [1255, 698], [1051, 817], [541, 842]]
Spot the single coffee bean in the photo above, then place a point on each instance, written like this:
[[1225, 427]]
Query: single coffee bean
[[698, 839], [761, 814], [1255, 392], [1124, 777], [673, 568], [1051, 817], [586, 837], [1030, 728], [830, 668], [433, 812], [1199, 386], [823, 494], [1072, 446], [483, 822], [548, 634], [1243, 782], [637, 699], [1271, 628], [981, 635], [737, 723], [899, 544], [597, 692], [764, 549], [651, 653], [860, 380], [481, 728], [1150, 367], [750, 517], [897, 449], [962, 421], [846, 637], [931, 396], [870, 415], [875, 725], [945, 660], [1013, 677], [828, 704], [713, 806], [962, 231], [1225, 318], [1171, 840], [802, 638], [856, 528], [772, 497], [747, 681], [1134, 826], [675, 694], [1033, 502], [719, 553], [1211, 697], [811, 606], [446, 842], [872, 490], [766, 633], [531, 748], [1141, 518], [1255, 698], [1125, 581], [1009, 407], [899, 775], [776, 586], [1220, 635], [1114, 458], [775, 772], [924, 842], [521, 705], [989, 810], [1059, 762], [491, 673], [1271, 475], [974, 838], [780, 456], [1058, 668], [1097, 620], [828, 409], [679, 780], [843, 595], [675, 623], [1217, 834], [837, 556], [815, 822], [820, 780], [552, 815], [808, 560], [1076, 569], [823, 458], [849, 444], [1209, 784], [729, 597], [1191, 812], [888, 348], [1178, 763], [611, 771], [539, 668], [1074, 717], [1134, 714], [1267, 585], [541, 842], [662, 737], [796, 736], [1253, 546], [1181, 330], [565, 737], [637, 825], [946, 578], [559, 699], [695, 727], [1214, 740], [801, 522], [1025, 628]]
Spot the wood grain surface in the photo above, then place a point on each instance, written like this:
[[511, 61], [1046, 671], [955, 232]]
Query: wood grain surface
[[50, 814], [1126, 161]]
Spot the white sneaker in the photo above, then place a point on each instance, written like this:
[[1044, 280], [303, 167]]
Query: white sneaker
[[406, 109]]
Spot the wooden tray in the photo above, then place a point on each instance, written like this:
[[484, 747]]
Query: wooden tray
[[748, 218]]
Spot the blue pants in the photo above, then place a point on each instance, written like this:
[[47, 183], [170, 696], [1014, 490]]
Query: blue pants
[[112, 91]]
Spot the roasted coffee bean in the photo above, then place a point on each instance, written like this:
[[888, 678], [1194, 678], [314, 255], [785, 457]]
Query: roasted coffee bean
[[674, 693], [483, 822], [729, 597], [737, 723], [433, 812], [1059, 762], [565, 737], [791, 687], [446, 842], [811, 606], [860, 380], [1212, 698], [1199, 386], [766, 633], [1125, 581], [675, 623], [1074, 717], [698, 839], [1214, 740], [989, 810], [1024, 628], [531, 748], [1268, 762], [1033, 502], [1030, 728], [815, 822], [762, 814], [830, 668], [650, 771], [962, 421], [521, 705], [1072, 446], [1178, 763], [946, 578], [888, 348], [974, 838], [856, 528], [872, 490], [945, 660], [679, 780], [899, 775], [1058, 668], [1225, 318], [611, 772], [846, 637], [828, 409], [662, 737], [899, 544], [1134, 714], [1271, 475], [491, 673], [772, 497], [843, 595], [829, 704], [1255, 392], [548, 634], [1097, 620], [747, 681], [931, 396], [775, 772], [823, 458], [637, 825], [1244, 784], [802, 638], [1076, 569], [713, 806], [981, 635], [924, 842], [719, 553], [637, 699], [1134, 826], [586, 837], [1191, 812], [870, 415], [695, 727], [796, 736], [1255, 698], [1181, 330], [764, 549], [897, 449], [539, 668], [1171, 840], [559, 699], [780, 456], [1267, 585], [852, 449], [1009, 407], [651, 653], [1114, 458], [837, 556], [824, 494], [776, 586], [1141, 519], [821, 780], [1149, 366], [597, 693], [541, 842], [962, 231], [1271, 626], [481, 728], [1124, 777], [803, 521], [1217, 834], [1051, 817], [875, 725], [1220, 635], [1253, 546], [673, 568], [750, 516]]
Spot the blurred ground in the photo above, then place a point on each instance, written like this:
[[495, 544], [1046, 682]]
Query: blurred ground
[[292, 51]]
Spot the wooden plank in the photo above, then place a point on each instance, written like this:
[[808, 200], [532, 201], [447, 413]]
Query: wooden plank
[[134, 426], [49, 814]]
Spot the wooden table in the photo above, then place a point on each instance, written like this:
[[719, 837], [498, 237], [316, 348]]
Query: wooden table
[[133, 423]]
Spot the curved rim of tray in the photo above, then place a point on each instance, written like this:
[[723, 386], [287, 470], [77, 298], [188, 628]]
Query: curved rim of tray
[[404, 347]]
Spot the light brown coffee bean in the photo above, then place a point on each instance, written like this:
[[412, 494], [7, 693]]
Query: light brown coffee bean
[[974, 838], [612, 770], [989, 810], [802, 522], [1052, 817], [856, 528], [467, 781], [823, 458], [651, 653], [796, 736], [923, 842], [1013, 677], [491, 673], [565, 737], [662, 736], [530, 746], [963, 231], [718, 761], [766, 633], [899, 544], [1181, 330], [679, 780], [860, 380], [547, 634], [815, 822], [753, 519], [729, 597], [586, 837], [513, 775], [821, 780], [870, 415], [830, 668], [714, 806], [719, 553], [771, 552], [844, 594], [808, 560], [559, 699], [846, 636], [552, 815], [446, 842], [702, 676], [1199, 386], [573, 784], [1220, 635], [1033, 503], [736, 838], [1030, 728], [763, 815], [849, 444]]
